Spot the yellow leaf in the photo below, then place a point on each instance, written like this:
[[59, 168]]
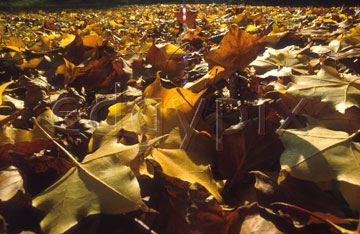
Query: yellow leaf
[[113, 24], [16, 44], [177, 163], [33, 63], [102, 183], [250, 28], [11, 183], [212, 77], [322, 155], [172, 51], [43, 45], [2, 89], [11, 135], [66, 39], [178, 98]]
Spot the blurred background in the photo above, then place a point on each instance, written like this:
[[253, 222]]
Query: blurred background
[[37, 4]]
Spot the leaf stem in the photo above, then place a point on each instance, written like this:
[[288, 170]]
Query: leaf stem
[[81, 167], [72, 157]]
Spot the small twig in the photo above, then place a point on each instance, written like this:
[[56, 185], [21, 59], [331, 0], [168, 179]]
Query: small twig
[[10, 117], [57, 143]]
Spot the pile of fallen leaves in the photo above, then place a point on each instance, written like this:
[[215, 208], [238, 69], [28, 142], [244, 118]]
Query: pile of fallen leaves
[[166, 119]]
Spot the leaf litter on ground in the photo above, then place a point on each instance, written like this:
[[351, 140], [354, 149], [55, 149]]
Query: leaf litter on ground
[[146, 79]]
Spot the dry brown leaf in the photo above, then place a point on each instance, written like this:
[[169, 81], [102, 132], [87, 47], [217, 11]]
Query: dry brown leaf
[[189, 17], [237, 50], [158, 60]]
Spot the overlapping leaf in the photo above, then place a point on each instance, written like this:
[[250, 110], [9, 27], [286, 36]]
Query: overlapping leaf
[[321, 155], [103, 183], [342, 91]]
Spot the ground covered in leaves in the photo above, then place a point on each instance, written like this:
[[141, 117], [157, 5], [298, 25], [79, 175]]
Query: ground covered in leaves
[[165, 119]]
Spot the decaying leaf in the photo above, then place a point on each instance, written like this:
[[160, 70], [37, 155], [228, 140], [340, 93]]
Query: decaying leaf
[[10, 135]]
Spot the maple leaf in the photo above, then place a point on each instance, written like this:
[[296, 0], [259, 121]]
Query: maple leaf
[[16, 44], [328, 86], [177, 98], [237, 50], [176, 163], [282, 62], [158, 59], [321, 155], [102, 183]]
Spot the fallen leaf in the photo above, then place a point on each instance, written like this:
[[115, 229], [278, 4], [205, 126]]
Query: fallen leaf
[[16, 44], [21, 148], [353, 37], [103, 183], [158, 59], [252, 218], [211, 78], [92, 41], [2, 89], [177, 98], [177, 163], [237, 50], [67, 39], [289, 190], [321, 155], [183, 207], [43, 45], [47, 119], [50, 25], [328, 86], [10, 135], [32, 63], [10, 183]]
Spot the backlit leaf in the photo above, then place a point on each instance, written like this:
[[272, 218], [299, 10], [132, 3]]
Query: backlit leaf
[[237, 49], [327, 85]]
